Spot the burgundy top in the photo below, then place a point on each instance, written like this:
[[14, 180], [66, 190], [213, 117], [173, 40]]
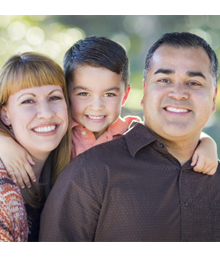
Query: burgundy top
[[132, 189]]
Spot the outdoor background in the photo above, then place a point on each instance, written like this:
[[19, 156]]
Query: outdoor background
[[53, 35]]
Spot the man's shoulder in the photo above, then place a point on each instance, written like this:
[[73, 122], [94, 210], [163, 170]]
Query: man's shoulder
[[218, 168]]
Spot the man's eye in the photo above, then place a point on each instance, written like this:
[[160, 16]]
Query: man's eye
[[164, 80], [194, 83]]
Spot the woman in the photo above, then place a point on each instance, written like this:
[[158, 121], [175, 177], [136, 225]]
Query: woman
[[35, 111]]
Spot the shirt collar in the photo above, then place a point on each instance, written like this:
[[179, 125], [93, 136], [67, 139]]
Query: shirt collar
[[138, 137], [117, 128]]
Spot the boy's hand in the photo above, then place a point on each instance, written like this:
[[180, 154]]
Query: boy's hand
[[204, 165], [17, 161], [21, 171], [205, 158]]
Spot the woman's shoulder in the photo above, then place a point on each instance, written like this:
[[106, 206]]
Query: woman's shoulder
[[12, 213], [8, 189], [5, 180]]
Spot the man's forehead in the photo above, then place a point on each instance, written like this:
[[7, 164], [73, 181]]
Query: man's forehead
[[188, 58]]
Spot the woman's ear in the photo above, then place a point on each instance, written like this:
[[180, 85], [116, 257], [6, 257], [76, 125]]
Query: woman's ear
[[4, 116]]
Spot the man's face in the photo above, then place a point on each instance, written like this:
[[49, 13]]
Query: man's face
[[179, 92]]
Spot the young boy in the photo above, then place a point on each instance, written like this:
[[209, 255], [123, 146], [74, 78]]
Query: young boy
[[96, 71]]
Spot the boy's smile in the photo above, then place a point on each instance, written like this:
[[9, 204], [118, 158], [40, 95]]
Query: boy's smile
[[96, 119], [96, 96]]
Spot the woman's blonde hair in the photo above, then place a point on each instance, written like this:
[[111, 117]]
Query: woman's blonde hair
[[30, 70]]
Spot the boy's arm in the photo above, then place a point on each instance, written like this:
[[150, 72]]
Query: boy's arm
[[205, 157], [16, 160]]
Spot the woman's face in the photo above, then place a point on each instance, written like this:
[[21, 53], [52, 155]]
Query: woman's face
[[38, 117]]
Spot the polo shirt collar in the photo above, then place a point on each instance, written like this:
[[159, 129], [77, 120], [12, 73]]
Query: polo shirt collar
[[138, 137]]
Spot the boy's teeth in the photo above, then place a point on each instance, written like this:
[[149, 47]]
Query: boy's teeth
[[96, 117], [45, 129]]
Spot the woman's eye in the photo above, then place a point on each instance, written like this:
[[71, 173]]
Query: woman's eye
[[53, 98], [28, 101]]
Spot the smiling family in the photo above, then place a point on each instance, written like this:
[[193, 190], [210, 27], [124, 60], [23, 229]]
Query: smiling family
[[128, 180]]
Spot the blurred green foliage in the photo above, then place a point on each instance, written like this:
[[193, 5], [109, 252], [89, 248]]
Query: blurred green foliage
[[53, 35]]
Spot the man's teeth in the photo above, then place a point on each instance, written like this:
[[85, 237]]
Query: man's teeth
[[45, 129], [95, 117], [177, 110]]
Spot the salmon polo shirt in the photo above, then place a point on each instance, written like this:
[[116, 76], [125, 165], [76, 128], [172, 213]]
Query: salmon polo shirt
[[83, 139]]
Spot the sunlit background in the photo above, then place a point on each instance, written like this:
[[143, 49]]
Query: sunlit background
[[53, 35]]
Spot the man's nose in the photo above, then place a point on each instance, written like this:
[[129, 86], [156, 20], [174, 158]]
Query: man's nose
[[178, 91], [44, 110]]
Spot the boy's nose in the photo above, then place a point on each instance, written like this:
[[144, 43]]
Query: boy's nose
[[44, 111], [96, 103]]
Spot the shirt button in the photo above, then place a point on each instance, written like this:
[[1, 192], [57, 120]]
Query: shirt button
[[83, 133], [186, 204], [161, 145]]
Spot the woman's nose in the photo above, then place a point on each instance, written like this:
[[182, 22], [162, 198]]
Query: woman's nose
[[45, 111]]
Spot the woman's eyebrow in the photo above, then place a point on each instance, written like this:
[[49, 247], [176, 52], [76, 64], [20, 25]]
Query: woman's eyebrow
[[28, 93]]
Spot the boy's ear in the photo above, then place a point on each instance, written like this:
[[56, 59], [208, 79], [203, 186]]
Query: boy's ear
[[4, 116], [126, 94]]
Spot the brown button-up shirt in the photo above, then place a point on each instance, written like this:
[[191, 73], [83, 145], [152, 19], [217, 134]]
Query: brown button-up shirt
[[132, 189]]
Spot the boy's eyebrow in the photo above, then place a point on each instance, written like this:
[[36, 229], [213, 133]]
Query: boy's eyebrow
[[84, 88], [113, 88], [79, 88]]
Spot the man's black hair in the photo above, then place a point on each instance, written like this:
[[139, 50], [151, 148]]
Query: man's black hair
[[184, 39], [96, 52]]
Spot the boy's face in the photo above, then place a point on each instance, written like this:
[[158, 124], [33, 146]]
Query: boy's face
[[96, 96]]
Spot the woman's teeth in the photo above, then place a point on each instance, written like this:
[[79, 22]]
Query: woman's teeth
[[45, 129]]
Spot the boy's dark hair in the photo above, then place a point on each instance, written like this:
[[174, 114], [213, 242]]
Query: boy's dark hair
[[184, 39], [96, 52]]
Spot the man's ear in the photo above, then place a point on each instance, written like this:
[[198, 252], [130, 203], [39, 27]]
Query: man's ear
[[214, 100], [142, 100], [126, 94], [4, 116]]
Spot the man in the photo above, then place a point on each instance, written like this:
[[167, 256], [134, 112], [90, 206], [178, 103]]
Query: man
[[141, 187]]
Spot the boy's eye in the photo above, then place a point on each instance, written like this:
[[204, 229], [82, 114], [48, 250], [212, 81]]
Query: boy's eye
[[109, 94], [83, 94]]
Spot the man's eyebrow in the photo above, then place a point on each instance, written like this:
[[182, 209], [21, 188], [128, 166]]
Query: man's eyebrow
[[165, 71], [195, 73]]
